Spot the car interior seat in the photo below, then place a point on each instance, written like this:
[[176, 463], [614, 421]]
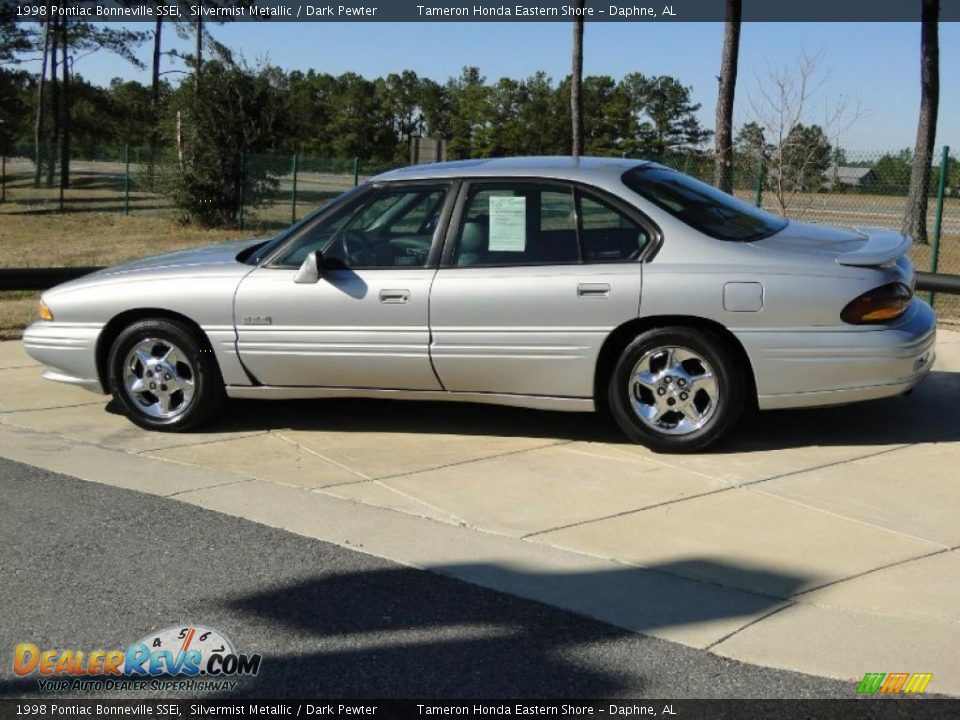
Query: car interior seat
[[474, 243]]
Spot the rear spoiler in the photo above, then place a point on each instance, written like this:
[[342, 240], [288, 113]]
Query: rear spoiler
[[882, 247]]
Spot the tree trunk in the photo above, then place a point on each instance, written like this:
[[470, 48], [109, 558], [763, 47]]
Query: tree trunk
[[65, 105], [54, 139], [199, 53], [915, 219], [38, 124], [576, 83], [155, 93], [723, 169], [178, 140]]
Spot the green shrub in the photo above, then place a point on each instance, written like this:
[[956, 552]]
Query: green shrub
[[225, 128]]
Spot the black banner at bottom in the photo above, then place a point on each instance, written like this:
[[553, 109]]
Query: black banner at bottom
[[863, 709]]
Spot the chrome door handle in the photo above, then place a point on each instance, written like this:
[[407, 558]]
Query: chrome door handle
[[394, 297], [593, 290]]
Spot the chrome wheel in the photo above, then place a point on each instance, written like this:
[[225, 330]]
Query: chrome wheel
[[673, 390], [159, 379]]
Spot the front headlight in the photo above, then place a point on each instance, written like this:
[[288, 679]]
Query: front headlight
[[44, 312]]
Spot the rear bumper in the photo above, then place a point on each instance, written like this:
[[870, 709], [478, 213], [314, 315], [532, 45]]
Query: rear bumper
[[832, 367], [68, 350]]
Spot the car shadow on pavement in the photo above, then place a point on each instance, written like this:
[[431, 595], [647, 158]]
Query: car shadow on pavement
[[404, 633], [928, 414], [393, 632]]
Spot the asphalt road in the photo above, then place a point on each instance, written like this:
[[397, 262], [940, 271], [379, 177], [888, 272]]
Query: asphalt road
[[87, 566]]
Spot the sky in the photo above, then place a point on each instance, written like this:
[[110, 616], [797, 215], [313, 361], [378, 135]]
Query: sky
[[875, 65]]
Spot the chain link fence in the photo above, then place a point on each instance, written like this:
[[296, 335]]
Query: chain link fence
[[126, 180], [837, 188]]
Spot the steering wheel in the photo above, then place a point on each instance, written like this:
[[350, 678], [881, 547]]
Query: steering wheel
[[355, 244]]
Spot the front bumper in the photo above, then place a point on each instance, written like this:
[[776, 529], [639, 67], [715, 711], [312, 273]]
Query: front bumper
[[68, 350], [815, 367]]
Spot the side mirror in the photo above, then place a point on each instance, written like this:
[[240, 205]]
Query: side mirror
[[311, 270]]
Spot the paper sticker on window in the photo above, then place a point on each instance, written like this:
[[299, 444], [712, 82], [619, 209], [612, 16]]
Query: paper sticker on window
[[508, 224]]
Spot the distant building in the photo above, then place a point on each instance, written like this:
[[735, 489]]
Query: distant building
[[851, 176], [427, 150]]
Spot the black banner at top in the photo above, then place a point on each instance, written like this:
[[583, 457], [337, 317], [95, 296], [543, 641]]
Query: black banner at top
[[642, 709], [640, 11]]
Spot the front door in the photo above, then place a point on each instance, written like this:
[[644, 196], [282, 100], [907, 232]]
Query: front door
[[365, 323]]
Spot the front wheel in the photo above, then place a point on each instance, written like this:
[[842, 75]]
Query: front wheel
[[164, 377], [677, 389]]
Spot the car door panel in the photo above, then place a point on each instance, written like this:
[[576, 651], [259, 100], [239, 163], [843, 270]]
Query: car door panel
[[524, 313], [363, 328], [365, 322], [528, 330]]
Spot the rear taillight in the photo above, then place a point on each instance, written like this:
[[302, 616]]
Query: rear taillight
[[879, 305]]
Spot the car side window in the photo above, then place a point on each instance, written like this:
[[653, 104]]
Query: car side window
[[606, 234], [315, 237], [518, 224], [392, 229]]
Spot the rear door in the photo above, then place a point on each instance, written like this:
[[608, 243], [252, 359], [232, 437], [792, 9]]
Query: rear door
[[534, 277]]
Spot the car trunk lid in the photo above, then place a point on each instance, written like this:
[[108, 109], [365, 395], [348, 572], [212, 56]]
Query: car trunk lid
[[864, 247], [883, 247]]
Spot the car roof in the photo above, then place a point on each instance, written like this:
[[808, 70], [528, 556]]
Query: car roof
[[554, 167]]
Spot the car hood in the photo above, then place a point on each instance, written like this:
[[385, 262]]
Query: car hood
[[209, 256]]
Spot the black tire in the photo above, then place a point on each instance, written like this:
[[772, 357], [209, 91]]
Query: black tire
[[208, 394], [720, 413]]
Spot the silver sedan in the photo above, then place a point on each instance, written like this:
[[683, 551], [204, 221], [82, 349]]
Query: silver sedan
[[547, 283]]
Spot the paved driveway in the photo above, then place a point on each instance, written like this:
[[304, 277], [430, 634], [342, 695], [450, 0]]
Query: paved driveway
[[824, 541], [329, 622]]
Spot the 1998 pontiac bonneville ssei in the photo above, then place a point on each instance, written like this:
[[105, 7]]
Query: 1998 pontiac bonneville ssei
[[548, 283]]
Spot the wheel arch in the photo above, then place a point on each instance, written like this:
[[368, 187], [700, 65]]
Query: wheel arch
[[624, 334], [118, 322]]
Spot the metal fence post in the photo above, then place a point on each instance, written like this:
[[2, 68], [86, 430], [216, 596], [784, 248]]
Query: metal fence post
[[758, 200], [938, 215], [126, 180], [293, 201], [3, 177], [356, 171], [243, 181]]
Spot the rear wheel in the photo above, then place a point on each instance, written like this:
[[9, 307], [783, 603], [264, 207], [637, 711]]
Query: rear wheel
[[164, 377], [677, 389]]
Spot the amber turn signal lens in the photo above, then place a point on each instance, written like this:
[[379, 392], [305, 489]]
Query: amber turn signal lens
[[879, 305], [44, 312]]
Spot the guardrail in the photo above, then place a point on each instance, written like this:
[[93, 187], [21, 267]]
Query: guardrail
[[938, 282], [40, 278], [43, 278]]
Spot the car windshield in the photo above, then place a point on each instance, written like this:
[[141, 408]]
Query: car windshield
[[702, 206]]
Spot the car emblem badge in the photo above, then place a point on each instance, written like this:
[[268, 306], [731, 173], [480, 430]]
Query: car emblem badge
[[258, 320]]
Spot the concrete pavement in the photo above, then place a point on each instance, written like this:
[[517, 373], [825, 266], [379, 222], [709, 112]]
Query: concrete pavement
[[824, 541], [328, 621]]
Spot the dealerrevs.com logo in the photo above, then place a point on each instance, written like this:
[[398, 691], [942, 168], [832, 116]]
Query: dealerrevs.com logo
[[190, 658]]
